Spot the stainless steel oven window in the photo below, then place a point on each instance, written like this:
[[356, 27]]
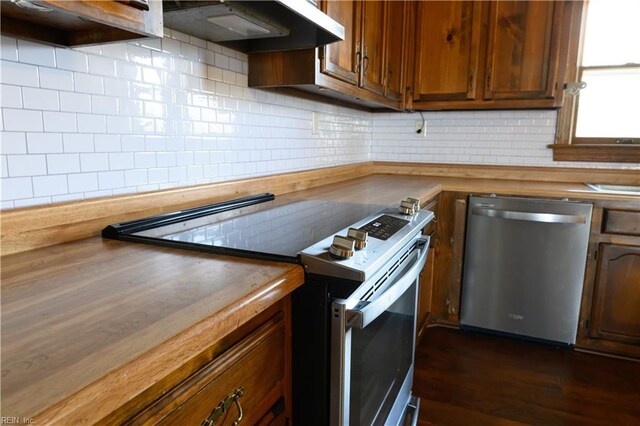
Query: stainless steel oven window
[[373, 348]]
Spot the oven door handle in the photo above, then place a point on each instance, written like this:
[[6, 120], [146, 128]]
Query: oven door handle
[[364, 312]]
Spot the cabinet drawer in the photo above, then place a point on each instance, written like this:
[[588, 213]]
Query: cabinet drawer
[[622, 222], [255, 364]]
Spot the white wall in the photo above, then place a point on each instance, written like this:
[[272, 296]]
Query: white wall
[[131, 117]]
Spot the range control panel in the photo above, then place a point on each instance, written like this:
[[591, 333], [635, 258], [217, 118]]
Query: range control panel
[[384, 227]]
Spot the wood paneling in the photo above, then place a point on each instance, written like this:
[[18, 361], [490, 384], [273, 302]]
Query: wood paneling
[[448, 51], [615, 312], [522, 50], [466, 378], [340, 59], [106, 325]]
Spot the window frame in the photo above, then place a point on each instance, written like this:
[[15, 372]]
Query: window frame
[[567, 146]]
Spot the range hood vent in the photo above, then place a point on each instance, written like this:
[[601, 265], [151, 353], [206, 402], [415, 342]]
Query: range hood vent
[[254, 26]]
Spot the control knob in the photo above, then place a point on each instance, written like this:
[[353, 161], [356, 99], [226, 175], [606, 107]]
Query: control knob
[[409, 206], [342, 247], [359, 237], [406, 208]]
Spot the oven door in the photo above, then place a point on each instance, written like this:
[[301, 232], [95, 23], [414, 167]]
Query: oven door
[[373, 343]]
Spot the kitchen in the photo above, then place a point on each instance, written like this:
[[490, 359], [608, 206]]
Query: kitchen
[[114, 132]]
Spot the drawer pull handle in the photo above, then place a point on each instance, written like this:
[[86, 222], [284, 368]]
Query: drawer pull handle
[[223, 408]]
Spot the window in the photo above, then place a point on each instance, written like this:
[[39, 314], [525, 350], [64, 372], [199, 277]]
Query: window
[[602, 120]]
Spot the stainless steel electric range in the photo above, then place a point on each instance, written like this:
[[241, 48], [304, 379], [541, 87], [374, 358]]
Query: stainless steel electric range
[[354, 318]]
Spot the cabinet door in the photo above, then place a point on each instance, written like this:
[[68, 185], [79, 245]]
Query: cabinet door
[[522, 49], [395, 49], [615, 314], [373, 48], [448, 50], [340, 60]]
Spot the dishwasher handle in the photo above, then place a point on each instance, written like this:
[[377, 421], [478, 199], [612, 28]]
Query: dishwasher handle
[[529, 216]]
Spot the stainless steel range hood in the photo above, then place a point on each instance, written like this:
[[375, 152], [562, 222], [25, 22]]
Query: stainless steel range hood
[[254, 26]]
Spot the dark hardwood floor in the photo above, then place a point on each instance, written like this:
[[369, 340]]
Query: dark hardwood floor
[[466, 378]]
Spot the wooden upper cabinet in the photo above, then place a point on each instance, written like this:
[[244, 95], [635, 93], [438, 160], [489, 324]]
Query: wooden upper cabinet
[[615, 315], [497, 54], [522, 49], [81, 22], [341, 60], [448, 49], [374, 27], [396, 49]]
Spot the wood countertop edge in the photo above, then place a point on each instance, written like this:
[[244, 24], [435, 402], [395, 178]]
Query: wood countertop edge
[[127, 383]]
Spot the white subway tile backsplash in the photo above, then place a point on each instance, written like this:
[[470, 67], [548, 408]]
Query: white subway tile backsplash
[[44, 143], [4, 169], [10, 96], [59, 122], [22, 120], [41, 99], [51, 78], [87, 83], [83, 182], [19, 74], [110, 180], [107, 143], [13, 143], [74, 142], [72, 60], [121, 160], [75, 102], [63, 163], [50, 185], [135, 177], [92, 162], [16, 188], [36, 53], [26, 165], [92, 123]]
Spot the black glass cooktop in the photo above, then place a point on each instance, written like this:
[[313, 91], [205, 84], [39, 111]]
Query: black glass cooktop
[[268, 228]]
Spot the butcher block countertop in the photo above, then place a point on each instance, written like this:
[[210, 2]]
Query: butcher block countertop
[[89, 325]]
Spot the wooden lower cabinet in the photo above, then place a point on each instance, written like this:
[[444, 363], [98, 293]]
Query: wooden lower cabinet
[[610, 313], [616, 305], [252, 375]]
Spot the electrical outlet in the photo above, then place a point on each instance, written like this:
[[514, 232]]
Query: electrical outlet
[[421, 128], [314, 123]]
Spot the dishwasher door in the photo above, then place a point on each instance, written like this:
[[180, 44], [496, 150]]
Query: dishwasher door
[[524, 266]]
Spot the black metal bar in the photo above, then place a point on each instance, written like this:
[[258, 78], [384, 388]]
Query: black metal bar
[[184, 245], [118, 230]]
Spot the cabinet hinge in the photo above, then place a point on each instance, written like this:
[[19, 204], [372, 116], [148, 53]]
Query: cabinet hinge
[[321, 53]]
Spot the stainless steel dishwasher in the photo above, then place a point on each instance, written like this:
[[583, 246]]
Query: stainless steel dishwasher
[[524, 266]]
